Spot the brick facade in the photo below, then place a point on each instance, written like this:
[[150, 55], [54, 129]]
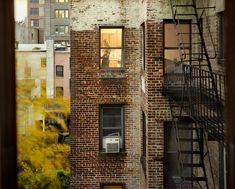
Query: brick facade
[[137, 89]]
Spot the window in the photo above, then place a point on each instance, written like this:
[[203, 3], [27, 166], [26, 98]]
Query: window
[[27, 72], [59, 91], [171, 45], [34, 23], [111, 47], [34, 1], [61, 29], [112, 128], [43, 62], [221, 37], [142, 35], [59, 71], [62, 13], [61, 1], [34, 11], [112, 186]]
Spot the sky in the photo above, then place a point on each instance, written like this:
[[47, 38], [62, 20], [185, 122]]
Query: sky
[[20, 9]]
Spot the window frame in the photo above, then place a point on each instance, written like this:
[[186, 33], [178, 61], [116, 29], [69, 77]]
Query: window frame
[[170, 21], [221, 38], [64, 10], [122, 48], [36, 12], [58, 75], [102, 185], [64, 29], [101, 107], [143, 45], [59, 87]]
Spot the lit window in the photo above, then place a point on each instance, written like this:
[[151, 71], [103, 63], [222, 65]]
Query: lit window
[[112, 186], [111, 47], [61, 29], [59, 91], [111, 127], [34, 11], [59, 71], [61, 13], [43, 62]]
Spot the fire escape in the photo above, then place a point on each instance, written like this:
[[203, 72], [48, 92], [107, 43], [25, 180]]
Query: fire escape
[[196, 92]]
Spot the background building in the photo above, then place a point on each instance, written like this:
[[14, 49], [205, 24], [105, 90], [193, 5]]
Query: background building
[[124, 131], [51, 18]]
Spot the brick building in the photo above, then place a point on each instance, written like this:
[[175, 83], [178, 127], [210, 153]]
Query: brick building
[[122, 132]]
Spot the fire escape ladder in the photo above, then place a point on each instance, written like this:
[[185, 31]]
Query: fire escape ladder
[[196, 93]]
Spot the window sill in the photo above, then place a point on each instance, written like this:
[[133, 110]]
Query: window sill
[[113, 154], [111, 73]]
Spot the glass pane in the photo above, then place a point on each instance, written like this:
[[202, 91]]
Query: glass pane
[[112, 187], [171, 39], [111, 58], [111, 37], [112, 122], [112, 111], [172, 59]]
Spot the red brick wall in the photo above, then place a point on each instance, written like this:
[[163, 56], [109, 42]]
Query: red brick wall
[[89, 89]]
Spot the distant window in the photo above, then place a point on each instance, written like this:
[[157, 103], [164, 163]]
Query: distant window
[[43, 62], [221, 37], [142, 33], [59, 71], [34, 1], [111, 48], [112, 128], [34, 11], [59, 91], [62, 13], [27, 72], [34, 23], [62, 29], [112, 186], [61, 1]]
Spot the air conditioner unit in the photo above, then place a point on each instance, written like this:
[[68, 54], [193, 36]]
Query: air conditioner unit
[[111, 145]]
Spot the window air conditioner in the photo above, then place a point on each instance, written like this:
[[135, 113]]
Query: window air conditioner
[[111, 145]]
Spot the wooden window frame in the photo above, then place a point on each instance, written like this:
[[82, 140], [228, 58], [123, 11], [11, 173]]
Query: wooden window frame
[[122, 48]]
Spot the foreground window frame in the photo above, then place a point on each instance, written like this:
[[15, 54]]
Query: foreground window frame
[[107, 50], [110, 185], [117, 138]]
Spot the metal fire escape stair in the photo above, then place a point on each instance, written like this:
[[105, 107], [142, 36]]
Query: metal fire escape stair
[[197, 93]]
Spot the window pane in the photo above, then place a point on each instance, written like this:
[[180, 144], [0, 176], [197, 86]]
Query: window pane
[[171, 39], [112, 187], [111, 37], [112, 111], [111, 58], [112, 122]]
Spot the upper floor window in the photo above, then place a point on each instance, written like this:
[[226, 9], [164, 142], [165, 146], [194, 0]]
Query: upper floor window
[[112, 186], [62, 13], [111, 48], [61, 29], [34, 1], [59, 71], [34, 23], [61, 1], [112, 128], [221, 37], [34, 11]]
